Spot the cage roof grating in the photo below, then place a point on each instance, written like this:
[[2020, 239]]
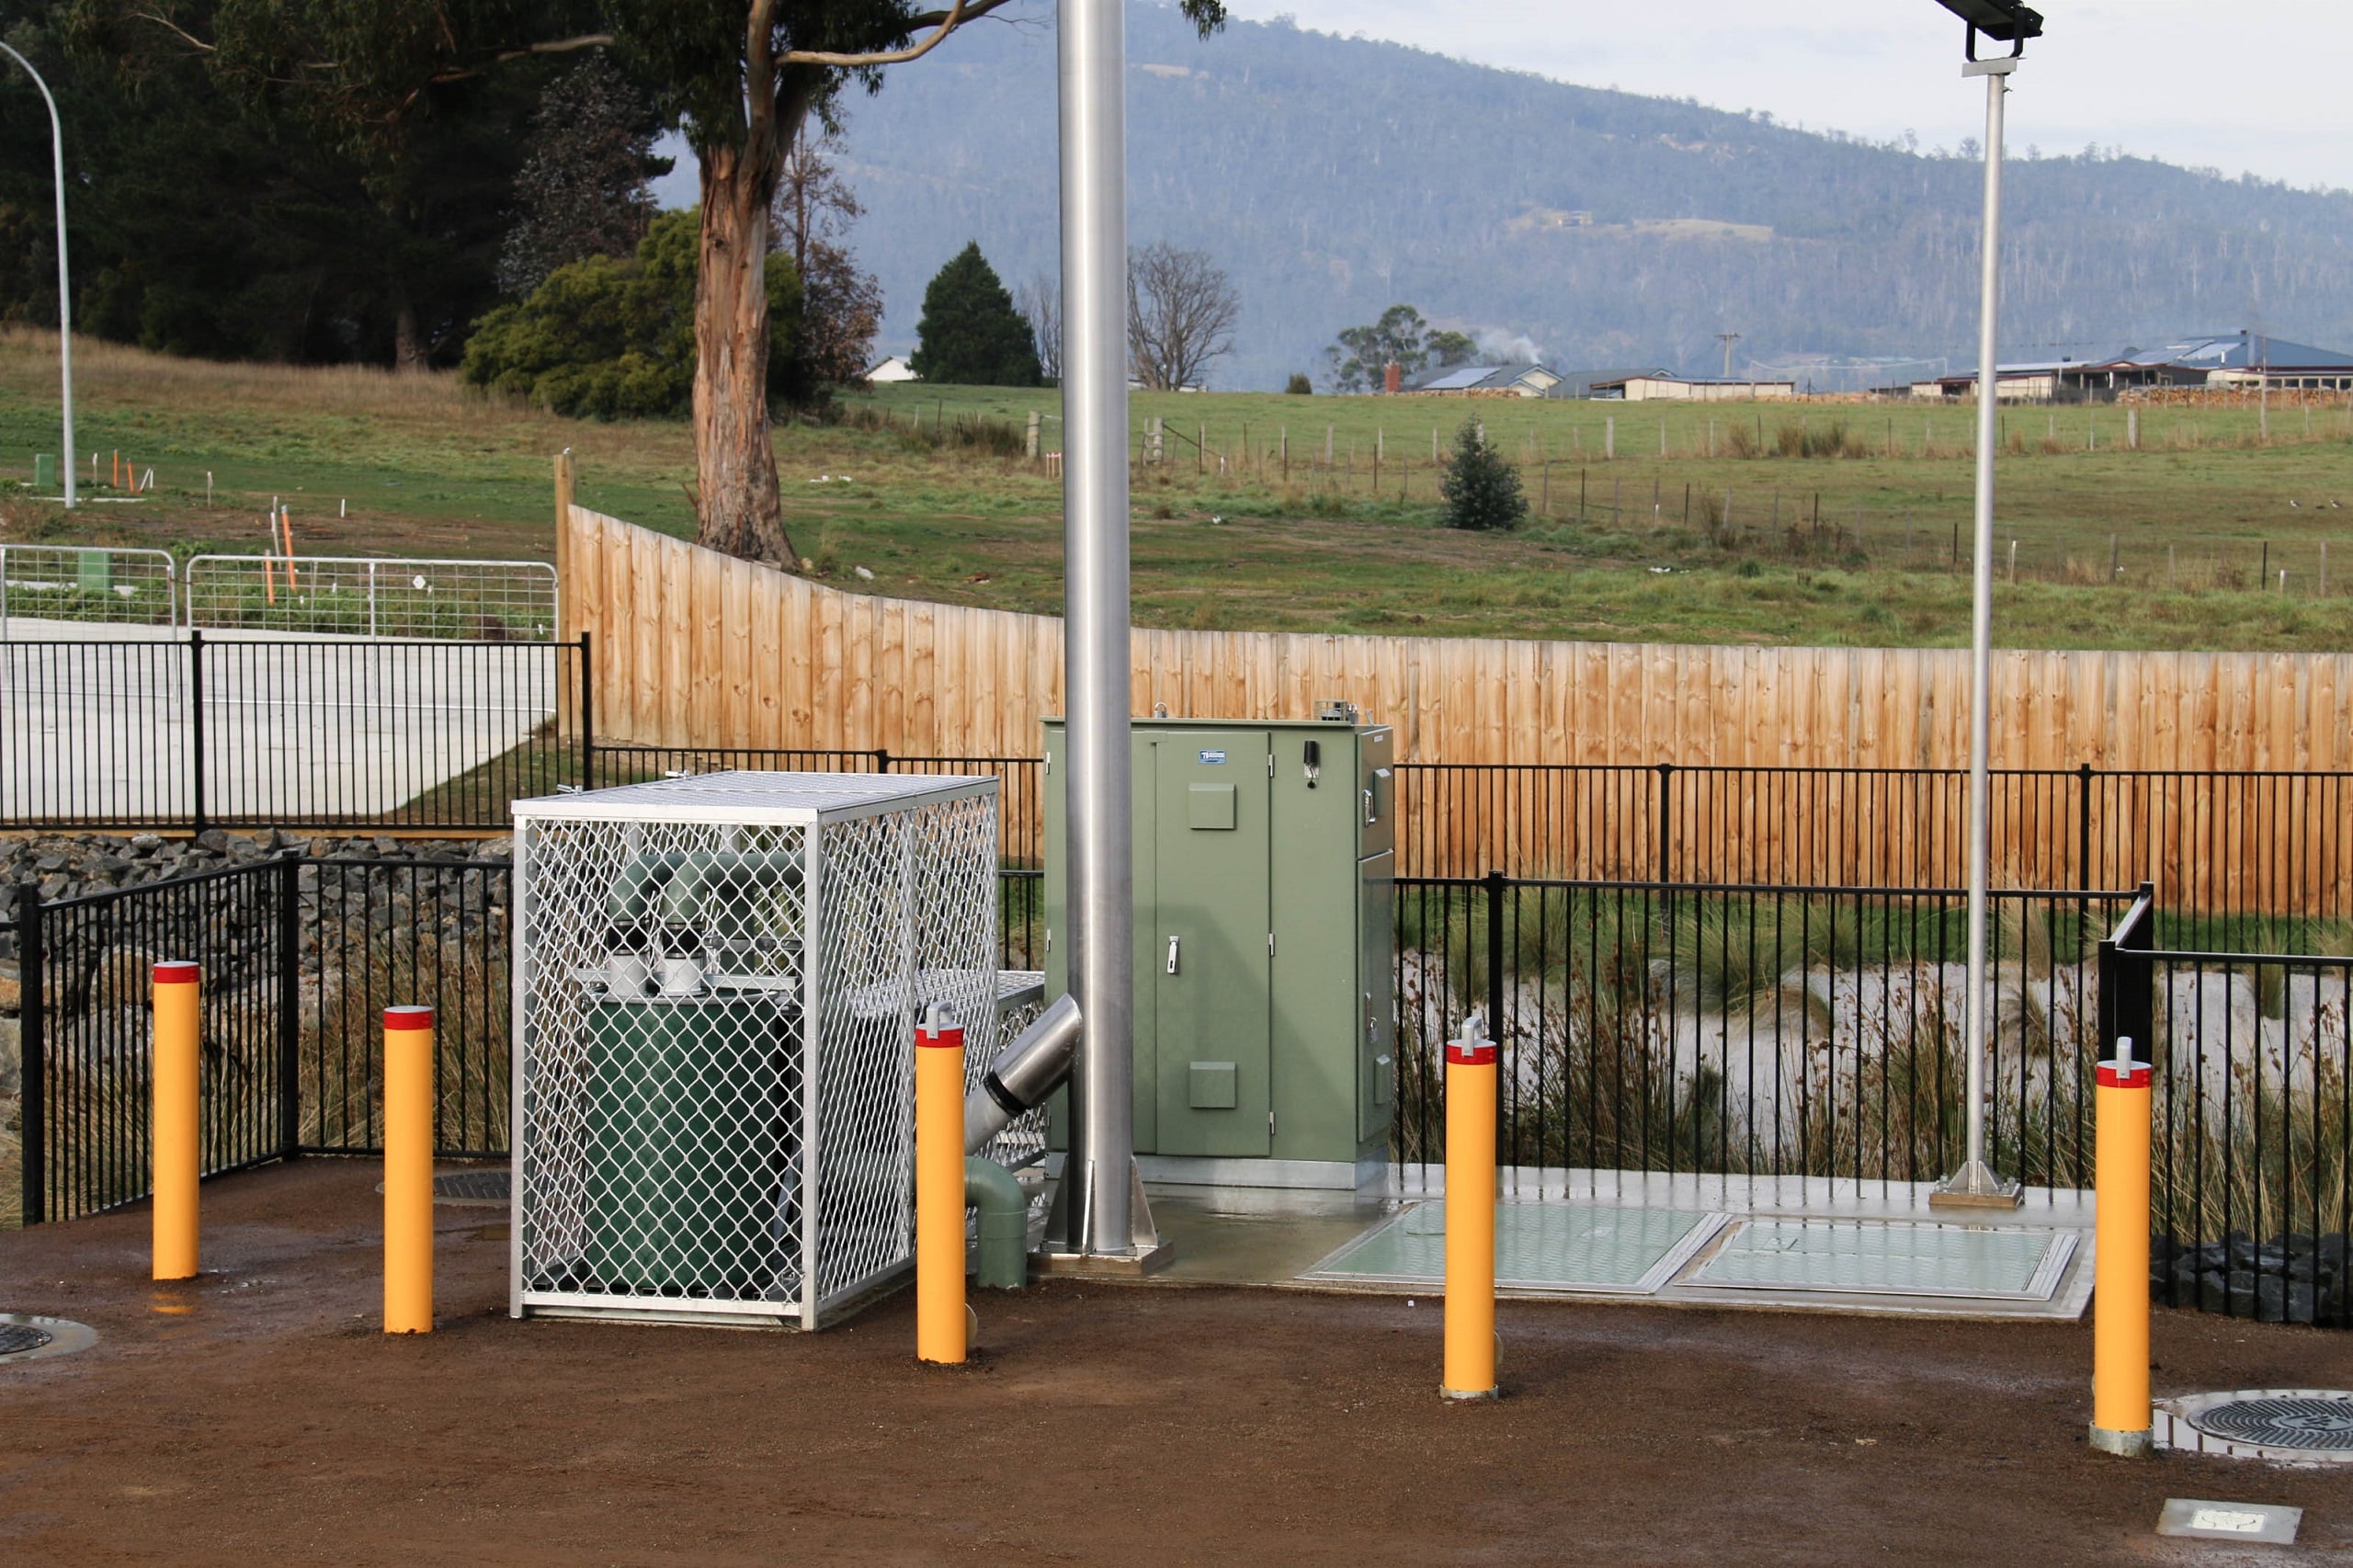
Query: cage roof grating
[[754, 797]]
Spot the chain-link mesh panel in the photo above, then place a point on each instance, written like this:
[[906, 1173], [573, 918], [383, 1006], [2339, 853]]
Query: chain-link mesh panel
[[663, 1063], [716, 1110]]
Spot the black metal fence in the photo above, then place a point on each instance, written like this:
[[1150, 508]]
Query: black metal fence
[[197, 732], [1770, 1031], [300, 957], [2238, 860], [2253, 1104]]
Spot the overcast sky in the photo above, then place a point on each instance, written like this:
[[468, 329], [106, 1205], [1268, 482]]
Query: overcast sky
[[2265, 92]]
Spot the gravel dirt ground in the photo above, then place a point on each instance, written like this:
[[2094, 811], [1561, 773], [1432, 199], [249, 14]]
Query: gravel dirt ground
[[255, 1414]]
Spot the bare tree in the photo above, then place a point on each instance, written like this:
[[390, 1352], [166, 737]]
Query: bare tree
[[841, 303], [1181, 309], [1039, 300]]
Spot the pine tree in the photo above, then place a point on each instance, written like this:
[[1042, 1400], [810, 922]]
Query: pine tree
[[1482, 491], [970, 334]]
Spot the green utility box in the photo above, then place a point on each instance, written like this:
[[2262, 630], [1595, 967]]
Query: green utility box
[[1265, 928], [44, 471]]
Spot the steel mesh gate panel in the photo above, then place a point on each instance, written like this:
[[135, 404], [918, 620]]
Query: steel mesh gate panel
[[717, 981]]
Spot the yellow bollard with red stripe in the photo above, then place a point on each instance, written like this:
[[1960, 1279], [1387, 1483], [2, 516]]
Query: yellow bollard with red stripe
[[175, 1136], [408, 1170], [940, 1192], [1469, 1214], [2121, 1417]]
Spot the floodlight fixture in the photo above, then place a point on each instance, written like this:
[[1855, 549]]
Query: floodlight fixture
[[2004, 21]]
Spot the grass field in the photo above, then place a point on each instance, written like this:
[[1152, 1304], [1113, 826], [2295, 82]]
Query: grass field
[[1243, 524]]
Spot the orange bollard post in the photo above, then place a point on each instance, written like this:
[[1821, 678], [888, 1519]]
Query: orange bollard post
[[408, 1170], [175, 1136], [1469, 1214], [2121, 1416], [939, 1191]]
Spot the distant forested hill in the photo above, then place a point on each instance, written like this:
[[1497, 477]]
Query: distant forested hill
[[1333, 176]]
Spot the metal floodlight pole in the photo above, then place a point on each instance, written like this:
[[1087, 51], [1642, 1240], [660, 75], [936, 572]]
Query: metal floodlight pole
[[1100, 1195], [64, 286], [1974, 1183]]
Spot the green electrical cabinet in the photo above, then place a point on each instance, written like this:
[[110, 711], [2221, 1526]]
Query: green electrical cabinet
[[1265, 972]]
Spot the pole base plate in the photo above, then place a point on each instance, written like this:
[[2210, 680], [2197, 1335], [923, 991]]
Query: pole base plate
[[2129, 1445], [1465, 1394], [1975, 1187], [1134, 1265]]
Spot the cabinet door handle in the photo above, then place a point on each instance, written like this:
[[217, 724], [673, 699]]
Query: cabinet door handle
[[1172, 955], [1368, 818]]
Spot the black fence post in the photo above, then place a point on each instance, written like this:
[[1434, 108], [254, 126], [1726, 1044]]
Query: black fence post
[[1666, 800], [1496, 887], [289, 1005], [196, 721], [881, 759], [33, 1105], [2084, 827], [587, 715]]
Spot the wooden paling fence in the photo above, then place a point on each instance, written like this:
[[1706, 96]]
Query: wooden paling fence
[[697, 649]]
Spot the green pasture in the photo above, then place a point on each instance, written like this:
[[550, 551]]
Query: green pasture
[[1722, 540]]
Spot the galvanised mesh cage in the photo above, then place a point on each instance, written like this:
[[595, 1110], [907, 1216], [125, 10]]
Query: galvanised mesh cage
[[717, 986]]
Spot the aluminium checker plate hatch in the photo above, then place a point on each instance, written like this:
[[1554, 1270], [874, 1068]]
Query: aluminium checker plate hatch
[[1539, 1246], [1891, 1257]]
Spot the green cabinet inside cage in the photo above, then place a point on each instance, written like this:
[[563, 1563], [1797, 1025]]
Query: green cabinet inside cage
[[687, 1178], [1265, 956]]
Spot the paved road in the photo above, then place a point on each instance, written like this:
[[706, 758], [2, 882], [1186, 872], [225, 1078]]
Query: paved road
[[100, 723]]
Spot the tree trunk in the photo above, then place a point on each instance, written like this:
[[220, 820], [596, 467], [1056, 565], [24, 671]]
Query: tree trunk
[[409, 353], [736, 501]]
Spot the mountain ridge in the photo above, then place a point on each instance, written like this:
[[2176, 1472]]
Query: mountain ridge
[[1333, 176]]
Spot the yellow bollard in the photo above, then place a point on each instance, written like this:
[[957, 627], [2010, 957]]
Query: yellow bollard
[[1470, 1215], [408, 1170], [174, 1136], [2120, 1412], [940, 1192]]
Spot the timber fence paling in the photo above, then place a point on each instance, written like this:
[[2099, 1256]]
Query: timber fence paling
[[825, 669]]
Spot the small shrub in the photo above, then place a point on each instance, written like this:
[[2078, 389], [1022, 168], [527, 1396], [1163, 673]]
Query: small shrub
[[1482, 491], [1299, 385]]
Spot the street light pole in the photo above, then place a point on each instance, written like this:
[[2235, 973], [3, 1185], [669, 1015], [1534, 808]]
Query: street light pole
[[1974, 1185], [1101, 1219], [65, 284]]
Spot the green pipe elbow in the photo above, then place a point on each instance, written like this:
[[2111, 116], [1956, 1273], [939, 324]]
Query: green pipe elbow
[[1002, 1261]]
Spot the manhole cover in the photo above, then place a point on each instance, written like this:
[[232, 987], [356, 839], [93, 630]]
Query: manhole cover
[[15, 1338], [2307, 1422], [24, 1337]]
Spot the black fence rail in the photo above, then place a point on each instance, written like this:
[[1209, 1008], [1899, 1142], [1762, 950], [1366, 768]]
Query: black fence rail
[[196, 732], [1770, 1031], [2251, 1158], [2256, 859], [1020, 803], [299, 957]]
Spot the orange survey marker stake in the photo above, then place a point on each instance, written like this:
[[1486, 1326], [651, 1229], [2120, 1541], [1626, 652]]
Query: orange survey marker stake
[[940, 1324], [2122, 1420], [177, 1150], [1469, 1214], [408, 1170]]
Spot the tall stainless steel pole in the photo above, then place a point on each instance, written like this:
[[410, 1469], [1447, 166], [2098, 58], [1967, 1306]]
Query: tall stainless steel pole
[[64, 282], [1975, 1182], [1100, 1197]]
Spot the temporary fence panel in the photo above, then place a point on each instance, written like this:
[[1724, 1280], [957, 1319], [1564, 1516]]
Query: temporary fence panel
[[1757, 1031], [209, 731], [44, 584], [468, 601], [715, 1005]]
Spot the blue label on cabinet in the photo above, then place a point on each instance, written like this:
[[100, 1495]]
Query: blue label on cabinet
[[1214, 756]]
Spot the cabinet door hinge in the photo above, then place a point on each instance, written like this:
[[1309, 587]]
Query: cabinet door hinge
[[1270, 944]]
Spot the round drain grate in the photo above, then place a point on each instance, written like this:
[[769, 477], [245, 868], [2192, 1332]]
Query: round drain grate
[[15, 1338], [24, 1337], [2317, 1423]]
